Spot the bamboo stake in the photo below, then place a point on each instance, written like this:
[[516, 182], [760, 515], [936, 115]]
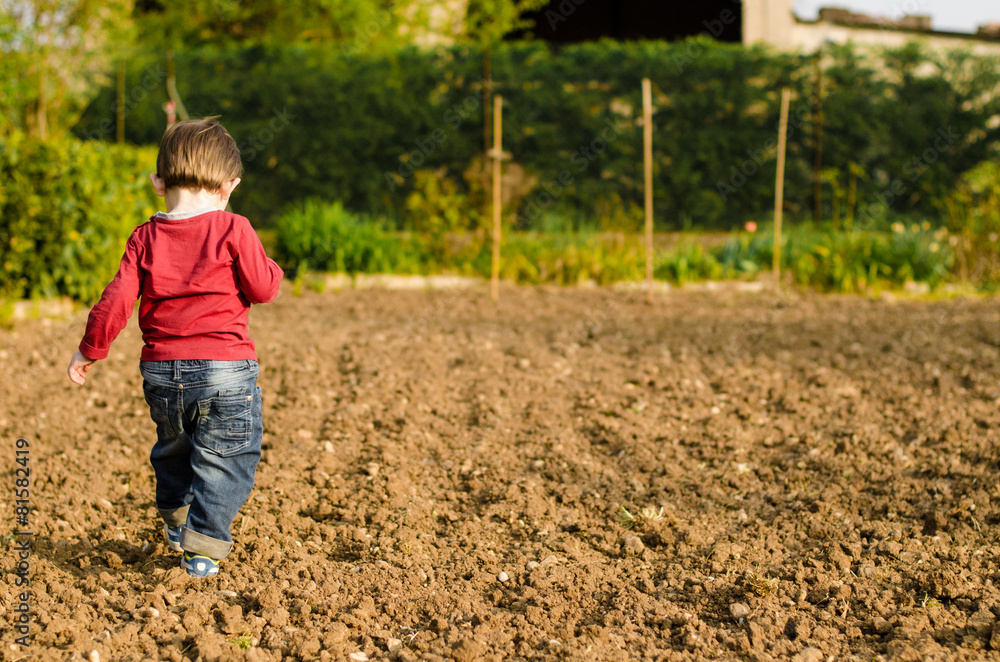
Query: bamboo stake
[[779, 189], [497, 154], [647, 118], [172, 87]]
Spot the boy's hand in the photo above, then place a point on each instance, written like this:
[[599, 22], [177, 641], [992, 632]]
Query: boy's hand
[[78, 367]]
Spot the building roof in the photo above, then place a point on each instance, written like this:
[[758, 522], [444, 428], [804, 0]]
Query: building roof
[[915, 25]]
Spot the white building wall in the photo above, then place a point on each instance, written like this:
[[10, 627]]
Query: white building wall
[[773, 22], [808, 37], [768, 21]]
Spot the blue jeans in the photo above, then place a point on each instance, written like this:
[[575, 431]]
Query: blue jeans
[[209, 427]]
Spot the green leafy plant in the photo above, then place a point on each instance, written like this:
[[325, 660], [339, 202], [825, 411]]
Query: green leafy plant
[[326, 237], [66, 210], [243, 641], [831, 260]]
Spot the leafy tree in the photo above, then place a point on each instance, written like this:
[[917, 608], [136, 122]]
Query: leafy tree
[[356, 24], [61, 51], [487, 22]]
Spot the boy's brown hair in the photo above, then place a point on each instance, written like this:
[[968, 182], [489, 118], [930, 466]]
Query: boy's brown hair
[[198, 154]]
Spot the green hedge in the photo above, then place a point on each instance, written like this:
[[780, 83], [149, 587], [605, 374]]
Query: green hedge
[[899, 130], [66, 210]]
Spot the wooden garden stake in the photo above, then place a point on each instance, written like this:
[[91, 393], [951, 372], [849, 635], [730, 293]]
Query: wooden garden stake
[[647, 120], [498, 155], [779, 189], [172, 88]]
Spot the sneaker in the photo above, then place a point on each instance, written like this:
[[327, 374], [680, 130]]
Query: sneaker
[[198, 565], [173, 534]]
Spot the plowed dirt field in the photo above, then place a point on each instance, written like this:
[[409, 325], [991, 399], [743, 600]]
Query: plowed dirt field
[[566, 475]]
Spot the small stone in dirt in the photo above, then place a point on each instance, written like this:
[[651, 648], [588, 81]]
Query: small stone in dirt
[[393, 644], [104, 504], [228, 594], [147, 613], [359, 656], [372, 469], [809, 655], [95, 656], [532, 565], [328, 447], [739, 611], [503, 576], [633, 546]]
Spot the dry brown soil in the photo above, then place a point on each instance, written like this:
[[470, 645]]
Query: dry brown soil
[[568, 475]]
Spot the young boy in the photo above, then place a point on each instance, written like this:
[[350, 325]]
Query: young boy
[[197, 269]]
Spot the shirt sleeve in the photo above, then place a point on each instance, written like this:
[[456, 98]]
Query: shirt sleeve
[[260, 276], [110, 315]]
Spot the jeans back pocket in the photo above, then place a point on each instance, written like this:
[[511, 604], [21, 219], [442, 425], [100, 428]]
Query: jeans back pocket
[[159, 411], [226, 421]]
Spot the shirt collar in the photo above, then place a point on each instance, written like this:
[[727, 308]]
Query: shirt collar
[[181, 215]]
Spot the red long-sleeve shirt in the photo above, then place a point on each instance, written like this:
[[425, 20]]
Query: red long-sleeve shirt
[[196, 277]]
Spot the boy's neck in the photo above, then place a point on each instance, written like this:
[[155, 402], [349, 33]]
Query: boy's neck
[[187, 200]]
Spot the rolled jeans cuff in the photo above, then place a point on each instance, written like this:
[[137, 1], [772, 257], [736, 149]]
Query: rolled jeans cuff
[[199, 543], [175, 516]]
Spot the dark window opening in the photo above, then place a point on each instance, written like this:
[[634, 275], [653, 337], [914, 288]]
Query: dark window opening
[[568, 21]]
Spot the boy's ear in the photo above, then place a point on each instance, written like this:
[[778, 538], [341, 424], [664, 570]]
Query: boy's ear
[[158, 185], [229, 187]]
